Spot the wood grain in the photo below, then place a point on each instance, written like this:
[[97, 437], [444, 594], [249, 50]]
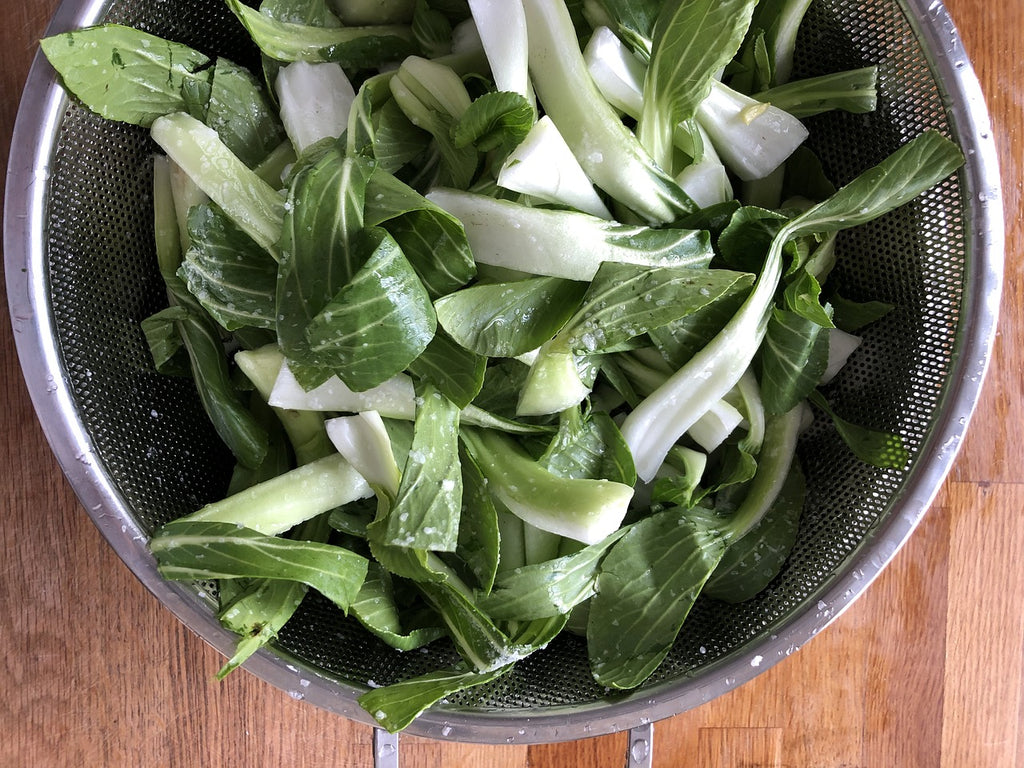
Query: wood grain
[[924, 670]]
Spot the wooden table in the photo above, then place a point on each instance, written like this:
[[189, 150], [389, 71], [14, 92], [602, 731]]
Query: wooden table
[[924, 670]]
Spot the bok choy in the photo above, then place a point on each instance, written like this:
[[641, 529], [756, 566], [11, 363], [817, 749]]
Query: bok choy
[[507, 332]]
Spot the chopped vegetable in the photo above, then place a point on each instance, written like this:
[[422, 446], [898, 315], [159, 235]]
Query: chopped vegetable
[[507, 335]]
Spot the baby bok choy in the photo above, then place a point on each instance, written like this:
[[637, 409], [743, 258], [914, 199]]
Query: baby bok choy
[[500, 311]]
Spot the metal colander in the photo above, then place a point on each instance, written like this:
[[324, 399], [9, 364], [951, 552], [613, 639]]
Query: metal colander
[[138, 450]]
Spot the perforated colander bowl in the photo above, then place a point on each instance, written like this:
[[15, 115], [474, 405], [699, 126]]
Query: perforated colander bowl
[[81, 274]]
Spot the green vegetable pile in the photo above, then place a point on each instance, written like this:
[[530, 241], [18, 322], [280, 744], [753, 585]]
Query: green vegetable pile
[[509, 311]]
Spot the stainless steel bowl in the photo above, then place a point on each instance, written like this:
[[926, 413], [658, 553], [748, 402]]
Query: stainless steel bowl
[[136, 448]]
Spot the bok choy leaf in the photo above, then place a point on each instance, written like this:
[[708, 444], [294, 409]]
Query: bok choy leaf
[[214, 550]]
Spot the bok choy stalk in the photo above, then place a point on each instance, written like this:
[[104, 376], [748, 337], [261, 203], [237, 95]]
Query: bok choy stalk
[[251, 203], [197, 334], [543, 165], [358, 46], [502, 28], [562, 243], [609, 152], [584, 510], [276, 505], [263, 607], [753, 137], [394, 398], [315, 102], [658, 422]]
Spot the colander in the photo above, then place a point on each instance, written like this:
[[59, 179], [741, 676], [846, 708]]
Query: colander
[[136, 447]]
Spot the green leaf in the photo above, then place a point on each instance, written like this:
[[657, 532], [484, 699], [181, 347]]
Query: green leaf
[[372, 94], [258, 614], [684, 488], [692, 40], [321, 247], [805, 177], [457, 372], [165, 343], [314, 13], [778, 22], [647, 585], [231, 276], [191, 550], [125, 74], [551, 588], [497, 120], [794, 356], [479, 541], [242, 115], [751, 563], [503, 381], [221, 401], [378, 323], [279, 458], [355, 47], [913, 168], [509, 319], [872, 446], [851, 315], [803, 296], [478, 640], [425, 513], [431, 30], [257, 609], [745, 240], [396, 141], [634, 22], [433, 97], [751, 69], [625, 301], [682, 339], [353, 519], [376, 609], [432, 239], [589, 446], [850, 90], [395, 706]]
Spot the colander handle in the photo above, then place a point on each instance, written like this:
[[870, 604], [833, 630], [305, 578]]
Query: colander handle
[[639, 752], [385, 749]]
